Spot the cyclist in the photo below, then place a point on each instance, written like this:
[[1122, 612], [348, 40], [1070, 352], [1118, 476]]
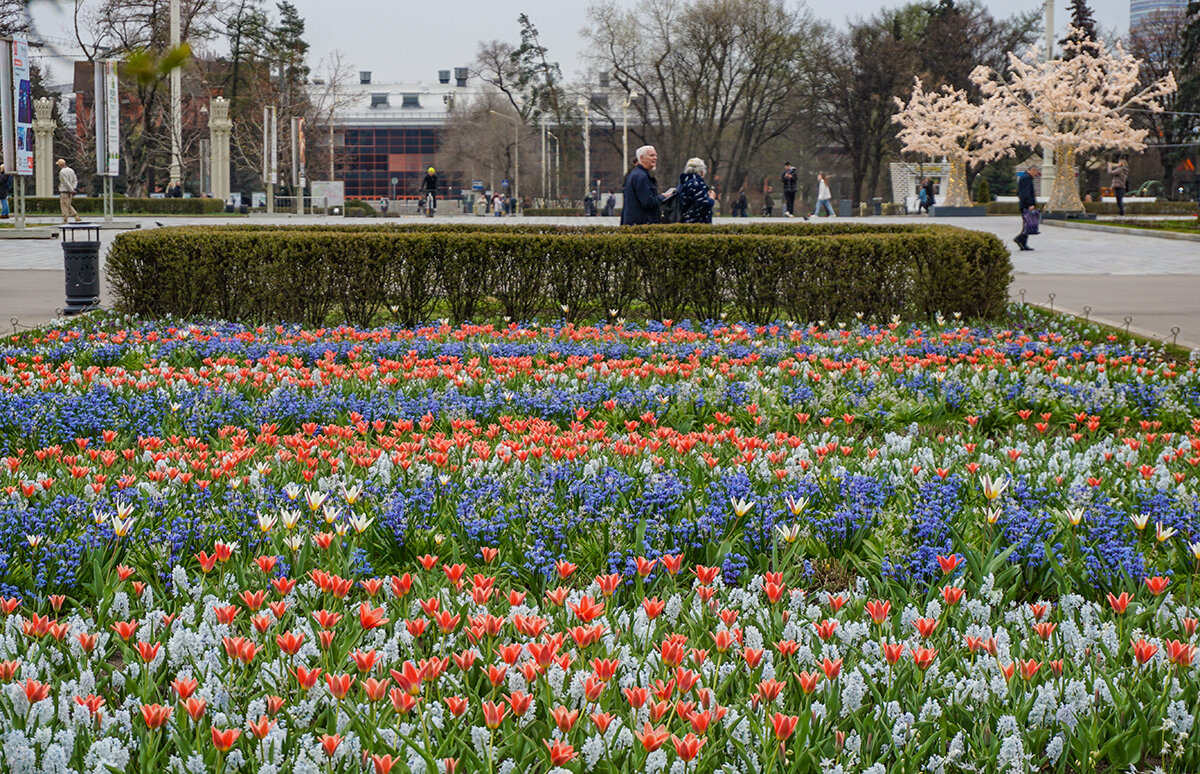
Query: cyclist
[[429, 190]]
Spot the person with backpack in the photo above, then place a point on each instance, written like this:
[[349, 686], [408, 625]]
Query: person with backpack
[[695, 200]]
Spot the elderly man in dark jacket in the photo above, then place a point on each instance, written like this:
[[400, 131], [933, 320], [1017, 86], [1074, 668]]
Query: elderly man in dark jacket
[[1027, 200], [642, 199]]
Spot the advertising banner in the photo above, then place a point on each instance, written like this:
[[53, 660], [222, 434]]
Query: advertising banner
[[298, 154], [270, 170], [112, 116], [23, 103]]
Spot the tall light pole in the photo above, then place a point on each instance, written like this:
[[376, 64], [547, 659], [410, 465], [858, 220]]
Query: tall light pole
[[625, 103], [545, 176], [587, 147], [176, 166], [557, 169], [516, 189], [1048, 168]]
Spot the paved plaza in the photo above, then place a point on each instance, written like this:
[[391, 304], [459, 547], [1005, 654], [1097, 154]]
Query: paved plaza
[[1110, 277]]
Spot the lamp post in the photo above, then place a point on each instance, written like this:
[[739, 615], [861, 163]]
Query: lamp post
[[176, 167], [516, 191], [557, 168], [587, 147], [1048, 168], [545, 176], [625, 132]]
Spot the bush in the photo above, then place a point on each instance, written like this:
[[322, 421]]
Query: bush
[[554, 212], [803, 272], [94, 205], [983, 192], [1110, 208], [357, 208]]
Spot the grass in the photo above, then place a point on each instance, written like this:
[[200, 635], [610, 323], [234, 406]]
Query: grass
[[1182, 226]]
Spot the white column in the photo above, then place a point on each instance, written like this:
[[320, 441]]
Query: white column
[[1047, 183], [43, 147], [176, 173], [219, 127]]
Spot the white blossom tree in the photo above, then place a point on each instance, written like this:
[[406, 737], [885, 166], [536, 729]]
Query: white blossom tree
[[1077, 104], [946, 123]]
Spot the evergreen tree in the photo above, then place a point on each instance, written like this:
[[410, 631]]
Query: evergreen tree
[[247, 28], [289, 49], [1083, 29]]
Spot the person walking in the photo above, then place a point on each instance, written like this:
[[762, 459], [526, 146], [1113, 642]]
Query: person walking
[[926, 196], [643, 202], [789, 190], [1027, 201], [5, 191], [67, 184], [610, 204], [741, 209], [769, 203], [383, 205], [695, 200], [1119, 179], [824, 197]]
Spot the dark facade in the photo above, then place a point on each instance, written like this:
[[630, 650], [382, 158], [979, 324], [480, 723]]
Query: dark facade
[[374, 156]]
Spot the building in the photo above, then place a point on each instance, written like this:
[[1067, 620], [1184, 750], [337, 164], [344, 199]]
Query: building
[[1141, 10], [389, 133]]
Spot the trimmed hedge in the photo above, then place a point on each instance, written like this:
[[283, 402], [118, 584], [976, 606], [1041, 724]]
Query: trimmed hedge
[[94, 205], [307, 274], [1110, 208]]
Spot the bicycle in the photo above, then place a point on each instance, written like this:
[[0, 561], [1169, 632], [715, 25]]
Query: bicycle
[[430, 204]]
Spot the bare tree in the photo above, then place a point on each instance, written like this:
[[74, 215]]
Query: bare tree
[[476, 139], [721, 78], [1159, 43], [329, 97]]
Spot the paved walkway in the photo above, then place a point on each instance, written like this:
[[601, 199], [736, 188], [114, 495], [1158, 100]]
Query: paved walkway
[[1108, 277]]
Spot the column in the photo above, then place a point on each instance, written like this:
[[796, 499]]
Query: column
[[43, 147], [219, 127]]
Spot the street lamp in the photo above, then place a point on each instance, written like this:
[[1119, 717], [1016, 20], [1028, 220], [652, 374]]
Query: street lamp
[[516, 191], [176, 165], [587, 147], [625, 135], [557, 159]]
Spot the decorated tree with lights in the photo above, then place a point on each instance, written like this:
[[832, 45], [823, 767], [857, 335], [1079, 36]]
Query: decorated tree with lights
[[946, 123], [1077, 104]]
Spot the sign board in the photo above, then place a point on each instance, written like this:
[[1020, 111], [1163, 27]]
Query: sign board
[[6, 105], [298, 178], [328, 193], [106, 107], [258, 199], [504, 183], [477, 185], [270, 168], [23, 102]]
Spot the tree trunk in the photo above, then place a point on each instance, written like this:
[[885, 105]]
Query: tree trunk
[[1065, 196], [957, 193]]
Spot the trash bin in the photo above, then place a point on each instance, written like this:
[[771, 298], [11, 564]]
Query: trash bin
[[877, 205], [81, 262], [845, 208]]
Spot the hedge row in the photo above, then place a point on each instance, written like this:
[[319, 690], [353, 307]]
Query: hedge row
[[94, 205], [1110, 208], [311, 274]]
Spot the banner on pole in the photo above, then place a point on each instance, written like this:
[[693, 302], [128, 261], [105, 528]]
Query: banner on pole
[[7, 133], [112, 115], [23, 101], [298, 154], [270, 168]]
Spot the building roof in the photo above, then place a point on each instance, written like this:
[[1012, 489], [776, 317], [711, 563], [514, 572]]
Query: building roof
[[399, 103]]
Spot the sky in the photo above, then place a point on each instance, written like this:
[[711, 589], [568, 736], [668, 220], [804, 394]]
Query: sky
[[408, 40]]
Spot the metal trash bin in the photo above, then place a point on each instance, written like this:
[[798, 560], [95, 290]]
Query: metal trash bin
[[877, 205], [845, 208], [81, 262]]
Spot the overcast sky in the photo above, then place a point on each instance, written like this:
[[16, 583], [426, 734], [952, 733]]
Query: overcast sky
[[412, 39]]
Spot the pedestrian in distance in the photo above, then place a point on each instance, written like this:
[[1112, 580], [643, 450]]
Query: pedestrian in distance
[[742, 207], [5, 191], [824, 197], [789, 190], [643, 202], [768, 203], [926, 196], [498, 204], [610, 204], [175, 190], [67, 185], [695, 200], [383, 205], [1119, 179], [1027, 201]]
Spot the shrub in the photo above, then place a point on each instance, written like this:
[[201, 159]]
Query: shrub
[[94, 205], [983, 192], [807, 272], [1110, 208]]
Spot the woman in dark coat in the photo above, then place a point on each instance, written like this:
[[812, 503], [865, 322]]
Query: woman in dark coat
[[695, 200]]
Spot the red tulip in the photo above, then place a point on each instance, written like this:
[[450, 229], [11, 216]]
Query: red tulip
[[155, 715], [688, 747], [195, 706], [652, 738], [262, 727], [1157, 584], [784, 725], [330, 743], [223, 740], [339, 685], [1119, 604], [383, 763], [493, 714], [878, 611], [560, 752]]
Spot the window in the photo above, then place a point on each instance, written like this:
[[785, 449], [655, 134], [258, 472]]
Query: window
[[411, 101], [379, 100]]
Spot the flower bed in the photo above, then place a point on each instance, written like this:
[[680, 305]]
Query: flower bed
[[613, 548]]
